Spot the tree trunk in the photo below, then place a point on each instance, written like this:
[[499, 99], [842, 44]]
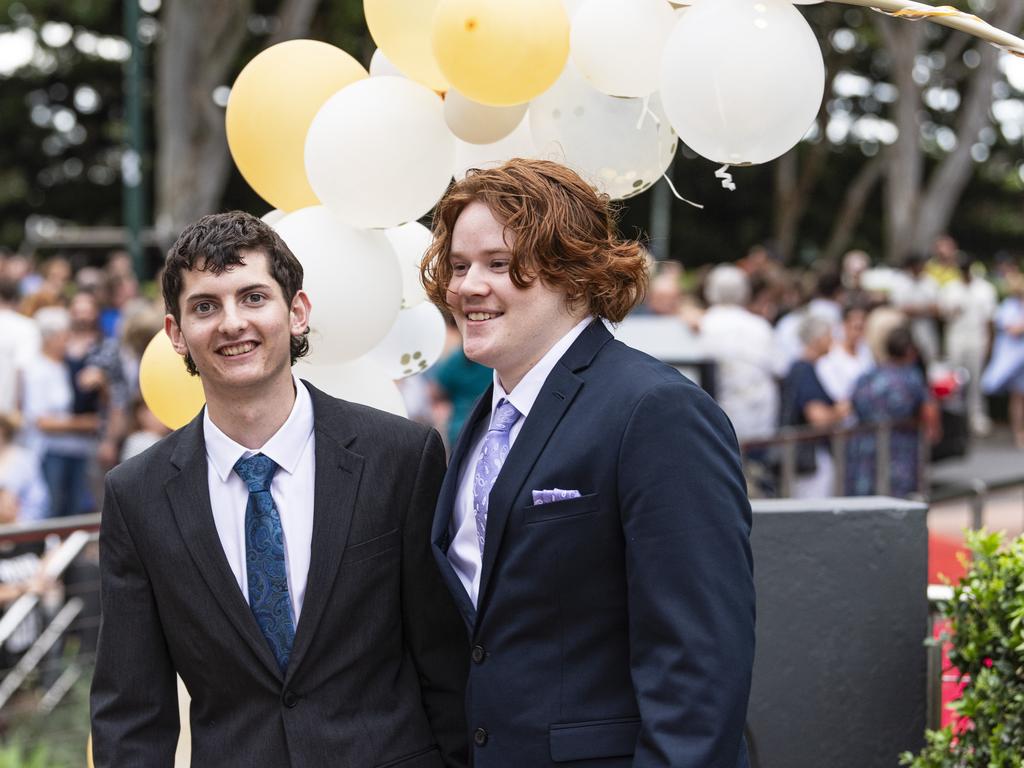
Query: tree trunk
[[852, 210], [906, 161], [198, 52], [952, 175]]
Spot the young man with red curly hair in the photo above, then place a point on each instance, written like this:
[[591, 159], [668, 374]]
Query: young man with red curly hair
[[593, 525]]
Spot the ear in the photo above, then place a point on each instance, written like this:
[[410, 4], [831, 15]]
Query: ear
[[300, 310], [173, 331]]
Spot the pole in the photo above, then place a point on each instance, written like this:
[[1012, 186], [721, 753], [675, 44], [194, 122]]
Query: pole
[[133, 202]]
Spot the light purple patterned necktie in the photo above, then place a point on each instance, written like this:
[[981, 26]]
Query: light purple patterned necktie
[[492, 456]]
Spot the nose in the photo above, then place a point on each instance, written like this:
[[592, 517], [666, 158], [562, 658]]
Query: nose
[[232, 321], [474, 282]]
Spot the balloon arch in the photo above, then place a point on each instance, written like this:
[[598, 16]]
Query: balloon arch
[[350, 159]]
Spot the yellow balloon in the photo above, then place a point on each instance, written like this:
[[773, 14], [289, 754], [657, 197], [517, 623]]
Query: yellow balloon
[[173, 395], [401, 29], [501, 52], [273, 101]]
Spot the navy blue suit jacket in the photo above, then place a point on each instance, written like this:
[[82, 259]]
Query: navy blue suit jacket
[[614, 629]]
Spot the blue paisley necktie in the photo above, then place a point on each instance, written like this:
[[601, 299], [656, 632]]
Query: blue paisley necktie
[[264, 558], [495, 450]]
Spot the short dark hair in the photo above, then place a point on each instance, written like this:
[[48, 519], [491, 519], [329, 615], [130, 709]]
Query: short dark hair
[[9, 291], [565, 235], [899, 343], [216, 243]]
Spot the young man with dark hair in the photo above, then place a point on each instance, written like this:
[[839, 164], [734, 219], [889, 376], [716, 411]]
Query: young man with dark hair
[[274, 552], [593, 525]]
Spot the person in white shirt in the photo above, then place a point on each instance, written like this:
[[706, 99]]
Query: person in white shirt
[[969, 306], [916, 294], [742, 345], [274, 552], [19, 346], [848, 359]]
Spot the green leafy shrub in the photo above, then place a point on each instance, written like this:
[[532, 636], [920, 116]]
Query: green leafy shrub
[[986, 617]]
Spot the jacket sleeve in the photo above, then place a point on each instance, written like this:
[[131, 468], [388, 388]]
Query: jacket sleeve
[[134, 700], [436, 633], [689, 570]]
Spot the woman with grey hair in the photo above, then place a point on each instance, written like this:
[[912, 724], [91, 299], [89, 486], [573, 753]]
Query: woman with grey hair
[[805, 403], [743, 347]]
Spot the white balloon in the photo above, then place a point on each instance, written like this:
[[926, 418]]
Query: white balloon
[[478, 123], [352, 278], [410, 242], [413, 344], [378, 153], [742, 81], [617, 44], [381, 66], [273, 216], [519, 143], [597, 135], [359, 381]]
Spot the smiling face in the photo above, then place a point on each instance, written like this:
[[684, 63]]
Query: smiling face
[[503, 327], [237, 327]]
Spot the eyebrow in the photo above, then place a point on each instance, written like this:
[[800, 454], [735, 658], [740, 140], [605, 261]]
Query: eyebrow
[[193, 297], [486, 252]]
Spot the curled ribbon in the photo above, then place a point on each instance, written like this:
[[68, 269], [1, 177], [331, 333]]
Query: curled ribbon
[[726, 177]]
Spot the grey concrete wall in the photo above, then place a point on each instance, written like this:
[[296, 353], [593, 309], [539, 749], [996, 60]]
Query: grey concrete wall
[[839, 676]]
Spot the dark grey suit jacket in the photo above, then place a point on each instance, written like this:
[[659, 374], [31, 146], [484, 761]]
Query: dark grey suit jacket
[[377, 672]]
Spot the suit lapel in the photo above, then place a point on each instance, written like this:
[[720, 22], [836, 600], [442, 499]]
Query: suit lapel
[[439, 534], [189, 495], [337, 475]]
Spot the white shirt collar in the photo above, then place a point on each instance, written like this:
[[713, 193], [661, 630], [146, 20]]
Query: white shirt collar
[[525, 393], [284, 446]]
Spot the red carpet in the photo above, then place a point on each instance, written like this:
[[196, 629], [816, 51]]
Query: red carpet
[[944, 567], [942, 559]]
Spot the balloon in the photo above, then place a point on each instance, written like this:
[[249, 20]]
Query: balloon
[[401, 29], [617, 44], [273, 216], [381, 66], [353, 281], [478, 123], [414, 343], [410, 242], [752, 98], [359, 381], [498, 52], [378, 153], [171, 393], [269, 111], [597, 136], [519, 143]]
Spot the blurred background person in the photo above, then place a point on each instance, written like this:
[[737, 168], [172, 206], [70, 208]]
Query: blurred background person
[[1005, 370], [916, 293], [64, 441], [848, 359], [20, 476], [19, 345], [145, 430], [805, 403], [968, 303], [742, 345], [895, 390]]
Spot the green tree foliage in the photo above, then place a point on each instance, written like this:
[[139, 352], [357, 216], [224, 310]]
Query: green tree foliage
[[986, 618]]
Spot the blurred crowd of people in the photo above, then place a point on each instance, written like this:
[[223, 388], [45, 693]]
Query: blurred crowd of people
[[70, 345], [832, 348]]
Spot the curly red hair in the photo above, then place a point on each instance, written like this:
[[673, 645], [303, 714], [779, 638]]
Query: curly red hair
[[563, 232]]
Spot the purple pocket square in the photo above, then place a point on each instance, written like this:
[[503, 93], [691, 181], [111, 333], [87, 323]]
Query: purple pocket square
[[555, 494]]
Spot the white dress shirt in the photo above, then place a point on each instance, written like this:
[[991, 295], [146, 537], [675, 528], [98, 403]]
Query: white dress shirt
[[464, 551], [291, 448]]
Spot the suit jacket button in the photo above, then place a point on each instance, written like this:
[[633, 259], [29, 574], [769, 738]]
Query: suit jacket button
[[478, 654], [290, 699], [480, 737]]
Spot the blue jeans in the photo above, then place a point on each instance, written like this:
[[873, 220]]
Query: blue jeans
[[67, 478]]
